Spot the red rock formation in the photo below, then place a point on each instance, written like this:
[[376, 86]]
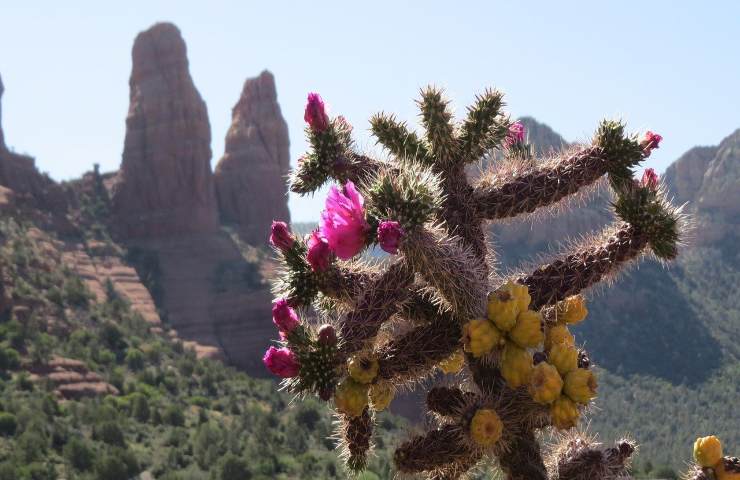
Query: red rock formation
[[72, 379], [30, 188], [250, 177], [165, 185]]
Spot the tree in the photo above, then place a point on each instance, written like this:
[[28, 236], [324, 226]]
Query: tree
[[510, 333], [79, 454], [8, 424], [140, 407], [232, 467]]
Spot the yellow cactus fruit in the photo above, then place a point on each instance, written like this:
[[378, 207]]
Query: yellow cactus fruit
[[516, 365], [480, 336], [521, 293], [454, 363], [564, 413], [363, 368], [545, 383], [564, 357], [572, 310], [558, 334], [486, 427], [727, 469], [381, 395], [351, 397], [527, 332], [503, 307], [580, 385], [707, 451]]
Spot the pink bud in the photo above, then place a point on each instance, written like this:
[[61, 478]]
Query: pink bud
[[319, 252], [515, 135], [389, 236], [284, 317], [650, 179], [315, 114], [343, 124], [327, 335], [281, 362], [280, 236], [650, 142]]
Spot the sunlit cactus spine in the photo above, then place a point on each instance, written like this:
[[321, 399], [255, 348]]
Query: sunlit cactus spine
[[435, 305]]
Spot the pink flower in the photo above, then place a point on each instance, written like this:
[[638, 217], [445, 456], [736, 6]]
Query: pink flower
[[650, 179], [281, 362], [343, 222], [280, 236], [315, 114], [389, 236], [319, 252], [327, 335], [515, 135], [284, 317], [650, 142]]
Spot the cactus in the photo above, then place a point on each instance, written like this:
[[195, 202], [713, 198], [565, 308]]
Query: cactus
[[391, 324]]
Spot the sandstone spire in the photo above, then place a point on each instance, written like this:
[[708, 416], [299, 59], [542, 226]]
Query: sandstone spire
[[165, 185], [250, 177]]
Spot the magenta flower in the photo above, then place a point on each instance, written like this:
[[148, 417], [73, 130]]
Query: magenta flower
[[319, 252], [281, 362], [284, 317], [280, 236], [343, 222], [515, 135], [650, 179], [650, 142], [315, 114], [389, 236]]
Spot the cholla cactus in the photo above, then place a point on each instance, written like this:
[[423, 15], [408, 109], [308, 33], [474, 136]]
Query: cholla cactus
[[437, 305]]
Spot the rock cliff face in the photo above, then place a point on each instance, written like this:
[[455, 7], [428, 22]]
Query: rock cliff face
[[165, 185], [30, 188], [250, 177]]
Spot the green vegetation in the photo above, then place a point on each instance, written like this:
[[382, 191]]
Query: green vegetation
[[176, 417]]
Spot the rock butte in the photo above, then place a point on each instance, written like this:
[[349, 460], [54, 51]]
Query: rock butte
[[165, 185], [250, 177]]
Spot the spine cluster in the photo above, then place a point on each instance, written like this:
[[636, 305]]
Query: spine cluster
[[434, 305]]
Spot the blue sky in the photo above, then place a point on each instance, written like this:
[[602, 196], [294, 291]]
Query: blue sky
[[667, 66]]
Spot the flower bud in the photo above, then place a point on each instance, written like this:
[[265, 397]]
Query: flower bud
[[281, 362], [389, 236], [319, 253], [315, 114], [327, 335], [285, 318], [649, 142], [649, 179], [280, 236]]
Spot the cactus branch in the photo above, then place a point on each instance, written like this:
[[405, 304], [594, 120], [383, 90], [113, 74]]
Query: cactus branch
[[437, 449], [396, 137], [589, 265], [382, 299]]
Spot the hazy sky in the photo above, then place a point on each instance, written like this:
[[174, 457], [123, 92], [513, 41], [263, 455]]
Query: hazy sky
[[673, 67]]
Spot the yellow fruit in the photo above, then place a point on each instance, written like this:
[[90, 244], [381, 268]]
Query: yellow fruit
[[480, 336], [545, 383], [727, 470], [351, 397], [521, 293], [707, 451], [486, 427], [516, 365], [503, 307], [453, 363], [564, 413], [580, 385], [564, 357], [527, 332], [381, 395], [558, 334], [572, 310], [363, 368]]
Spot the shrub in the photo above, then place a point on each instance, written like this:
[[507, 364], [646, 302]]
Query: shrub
[[79, 454], [8, 424], [174, 416], [110, 433]]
